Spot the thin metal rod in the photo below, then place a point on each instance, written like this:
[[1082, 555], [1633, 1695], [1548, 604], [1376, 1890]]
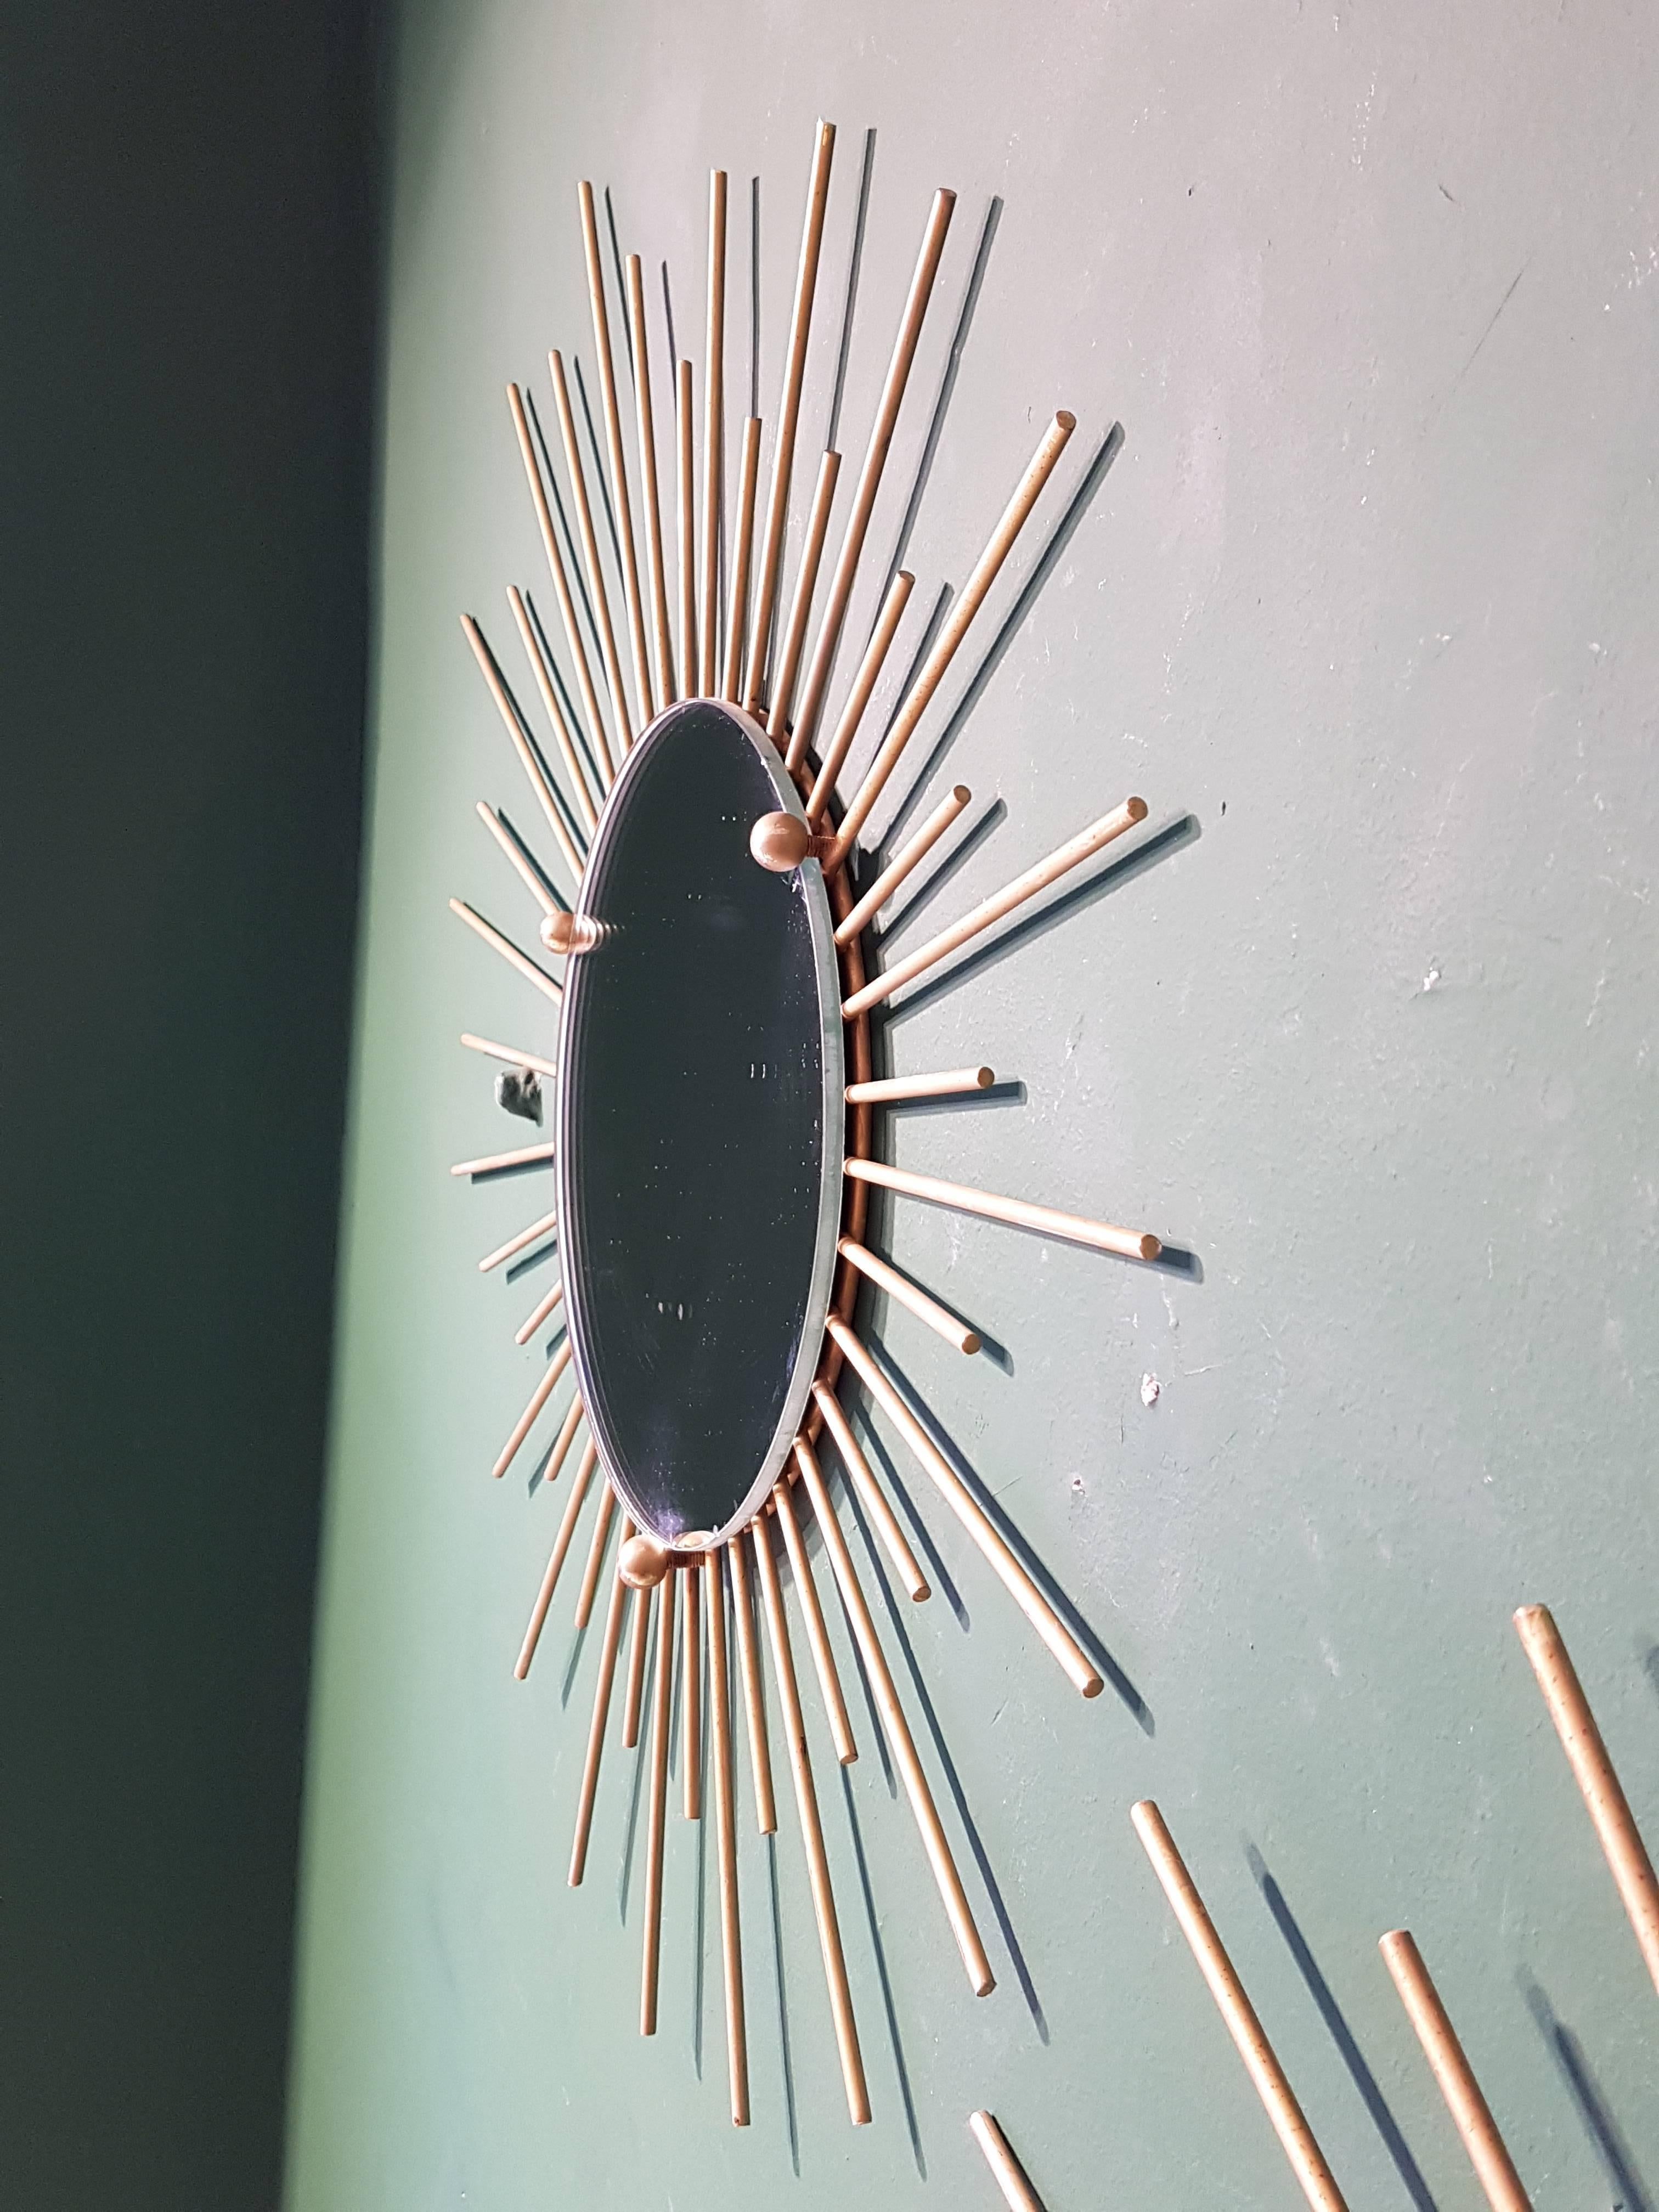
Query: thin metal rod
[[561, 731], [890, 1089], [801, 606], [686, 529], [888, 1278], [1454, 2076], [908, 857], [1296, 2138], [527, 1329], [1127, 1243], [966, 606], [690, 1694], [613, 1629], [875, 459], [726, 1843], [1006, 2171], [526, 1420], [754, 1700], [495, 1163], [508, 950], [662, 1719], [573, 462], [613, 441], [544, 1227], [533, 768], [639, 1643], [870, 668], [531, 882], [1593, 1771], [1072, 854], [714, 435], [817, 1862], [783, 453], [591, 1573], [994, 1546], [655, 570], [509, 1052], [573, 1506], [747, 475], [562, 588], [817, 1635], [897, 1729], [873, 1498]]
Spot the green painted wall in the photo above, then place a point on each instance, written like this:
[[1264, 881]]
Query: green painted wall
[[1370, 597], [187, 358]]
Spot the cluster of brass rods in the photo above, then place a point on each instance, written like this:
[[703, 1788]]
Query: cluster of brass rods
[[544, 1227], [817, 1635], [495, 1163], [1064, 858], [754, 1701], [994, 1546], [881, 437], [509, 1052], [691, 1692], [561, 731], [714, 435], [613, 441], [573, 1506], [748, 474], [886, 1276], [526, 1329], [510, 951], [661, 1720], [590, 696], [783, 453], [656, 572], [1128, 1243], [591, 1573], [908, 857], [1454, 2076], [1593, 1771], [800, 612], [526, 875], [533, 768], [686, 528], [897, 1729], [526, 1420], [1006, 2171], [726, 1843], [806, 1805], [608, 1649], [873, 1498], [965, 607], [869, 675], [950, 1083], [638, 1644], [1296, 2138], [601, 605]]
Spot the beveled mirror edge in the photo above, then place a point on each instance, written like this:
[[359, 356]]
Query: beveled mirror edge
[[809, 1349]]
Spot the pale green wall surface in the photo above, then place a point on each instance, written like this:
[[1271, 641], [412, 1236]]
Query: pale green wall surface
[[1371, 594]]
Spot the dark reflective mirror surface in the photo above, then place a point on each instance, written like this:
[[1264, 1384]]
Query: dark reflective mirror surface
[[699, 1169]]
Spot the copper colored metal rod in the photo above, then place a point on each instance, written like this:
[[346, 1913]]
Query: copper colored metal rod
[[754, 1701], [491, 672], [691, 1692], [562, 732], [1454, 2076], [591, 561], [590, 696], [1593, 1771], [509, 1052], [714, 435], [817, 1862], [661, 1720], [493, 1162], [903, 862], [573, 1506], [595, 1555], [870, 668], [1018, 1212], [544, 1227], [613, 1629], [1006, 2171], [638, 1644], [1296, 2138], [948, 1084], [613, 441], [783, 454], [800, 610], [516, 860], [726, 1844], [526, 1420], [817, 1634], [873, 1498], [510, 951], [686, 529], [527, 1329], [897, 1729], [738, 608], [886, 1276], [649, 491]]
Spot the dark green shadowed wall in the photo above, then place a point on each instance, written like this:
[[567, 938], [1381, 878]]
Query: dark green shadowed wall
[[188, 278]]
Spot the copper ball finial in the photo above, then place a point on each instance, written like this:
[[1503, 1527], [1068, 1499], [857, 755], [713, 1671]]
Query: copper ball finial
[[642, 1562]]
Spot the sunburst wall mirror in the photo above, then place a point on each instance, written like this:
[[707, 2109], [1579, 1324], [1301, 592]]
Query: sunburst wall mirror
[[710, 1045]]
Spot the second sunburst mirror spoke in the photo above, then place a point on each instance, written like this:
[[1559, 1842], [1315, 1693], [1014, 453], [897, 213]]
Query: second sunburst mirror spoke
[[700, 1126]]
